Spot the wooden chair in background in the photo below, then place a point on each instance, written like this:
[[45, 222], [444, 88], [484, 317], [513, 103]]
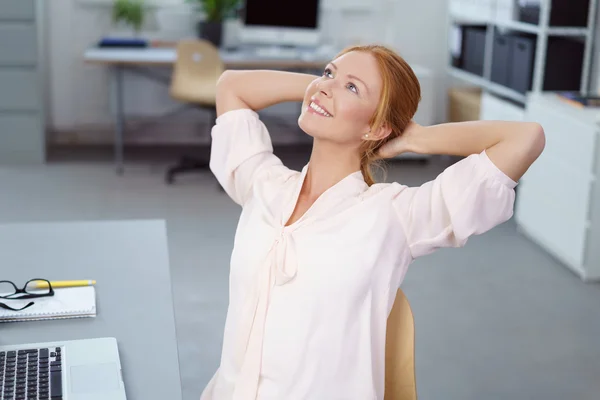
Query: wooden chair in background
[[195, 75]]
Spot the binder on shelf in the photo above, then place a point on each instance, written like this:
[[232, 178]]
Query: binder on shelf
[[474, 51], [522, 60], [501, 59]]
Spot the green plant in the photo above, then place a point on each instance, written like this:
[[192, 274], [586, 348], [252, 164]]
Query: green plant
[[216, 10], [130, 12]]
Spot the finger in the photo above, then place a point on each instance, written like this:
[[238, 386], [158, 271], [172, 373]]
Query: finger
[[386, 151]]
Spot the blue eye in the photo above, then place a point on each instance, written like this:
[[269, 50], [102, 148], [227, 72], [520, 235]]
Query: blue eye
[[329, 74]]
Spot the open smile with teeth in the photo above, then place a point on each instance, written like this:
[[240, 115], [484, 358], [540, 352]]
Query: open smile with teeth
[[319, 110]]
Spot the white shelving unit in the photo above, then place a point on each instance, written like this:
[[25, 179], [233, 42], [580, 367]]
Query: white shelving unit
[[486, 13]]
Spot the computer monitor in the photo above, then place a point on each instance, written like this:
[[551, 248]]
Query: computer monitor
[[288, 23]]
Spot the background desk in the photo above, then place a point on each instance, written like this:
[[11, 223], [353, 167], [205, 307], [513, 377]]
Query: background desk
[[139, 59], [130, 262], [166, 56]]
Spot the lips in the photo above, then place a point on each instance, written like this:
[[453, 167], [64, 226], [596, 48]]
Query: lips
[[316, 106]]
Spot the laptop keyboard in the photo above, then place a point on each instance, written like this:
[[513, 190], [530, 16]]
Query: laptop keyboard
[[31, 374]]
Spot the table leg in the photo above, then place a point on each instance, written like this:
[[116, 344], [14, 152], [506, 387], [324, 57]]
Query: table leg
[[119, 118]]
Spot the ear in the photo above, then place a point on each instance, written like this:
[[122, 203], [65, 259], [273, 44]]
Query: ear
[[378, 134]]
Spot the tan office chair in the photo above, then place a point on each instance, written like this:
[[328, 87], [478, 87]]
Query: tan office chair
[[195, 75], [400, 382]]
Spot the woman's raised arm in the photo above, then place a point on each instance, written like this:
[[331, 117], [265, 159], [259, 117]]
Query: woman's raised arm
[[258, 89]]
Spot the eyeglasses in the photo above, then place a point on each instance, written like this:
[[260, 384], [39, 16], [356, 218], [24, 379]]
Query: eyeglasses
[[32, 289]]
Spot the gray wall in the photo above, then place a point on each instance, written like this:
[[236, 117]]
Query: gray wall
[[22, 137]]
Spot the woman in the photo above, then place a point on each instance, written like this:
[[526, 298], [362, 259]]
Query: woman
[[319, 254]]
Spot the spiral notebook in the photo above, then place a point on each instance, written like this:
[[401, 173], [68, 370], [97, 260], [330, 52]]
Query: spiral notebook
[[76, 302]]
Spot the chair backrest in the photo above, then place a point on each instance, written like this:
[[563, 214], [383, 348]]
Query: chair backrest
[[196, 72], [400, 382]]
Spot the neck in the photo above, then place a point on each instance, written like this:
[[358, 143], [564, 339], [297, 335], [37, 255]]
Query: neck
[[329, 164]]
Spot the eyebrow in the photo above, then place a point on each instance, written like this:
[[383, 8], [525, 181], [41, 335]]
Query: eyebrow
[[352, 77]]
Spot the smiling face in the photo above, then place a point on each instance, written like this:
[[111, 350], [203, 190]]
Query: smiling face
[[339, 105]]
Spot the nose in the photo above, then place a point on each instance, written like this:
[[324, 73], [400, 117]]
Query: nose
[[325, 88]]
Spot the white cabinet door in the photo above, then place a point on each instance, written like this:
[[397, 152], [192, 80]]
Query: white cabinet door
[[569, 140], [495, 109], [553, 199], [552, 204]]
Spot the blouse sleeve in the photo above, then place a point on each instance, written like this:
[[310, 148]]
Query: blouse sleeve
[[468, 198], [241, 150]]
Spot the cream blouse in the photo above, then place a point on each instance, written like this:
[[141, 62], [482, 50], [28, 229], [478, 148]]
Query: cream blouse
[[308, 303]]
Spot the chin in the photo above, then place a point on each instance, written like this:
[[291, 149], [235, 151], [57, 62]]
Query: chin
[[309, 125]]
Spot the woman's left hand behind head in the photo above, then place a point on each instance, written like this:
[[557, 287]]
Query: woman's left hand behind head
[[402, 143]]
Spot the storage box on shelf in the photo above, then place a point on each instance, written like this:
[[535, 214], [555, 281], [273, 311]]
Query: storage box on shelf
[[512, 61], [501, 60], [474, 50], [513, 57], [506, 54], [558, 201]]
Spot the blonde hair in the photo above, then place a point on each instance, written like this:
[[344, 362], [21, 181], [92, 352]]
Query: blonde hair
[[398, 103]]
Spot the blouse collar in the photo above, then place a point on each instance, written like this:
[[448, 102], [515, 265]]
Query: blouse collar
[[350, 186]]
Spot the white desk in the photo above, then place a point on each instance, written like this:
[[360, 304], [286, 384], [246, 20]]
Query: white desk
[[154, 56], [139, 60], [130, 262], [166, 56]]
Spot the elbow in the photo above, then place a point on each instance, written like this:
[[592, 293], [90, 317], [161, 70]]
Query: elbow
[[225, 79], [226, 87], [229, 80], [536, 139], [529, 140]]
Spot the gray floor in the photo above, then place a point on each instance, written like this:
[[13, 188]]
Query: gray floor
[[498, 319]]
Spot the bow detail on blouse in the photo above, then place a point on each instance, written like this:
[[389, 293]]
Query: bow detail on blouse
[[279, 268], [286, 265]]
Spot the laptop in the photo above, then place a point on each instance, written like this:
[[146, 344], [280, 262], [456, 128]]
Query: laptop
[[88, 369]]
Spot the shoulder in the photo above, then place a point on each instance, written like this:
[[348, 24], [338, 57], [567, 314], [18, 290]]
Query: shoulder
[[274, 184], [281, 175], [384, 190], [476, 169]]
